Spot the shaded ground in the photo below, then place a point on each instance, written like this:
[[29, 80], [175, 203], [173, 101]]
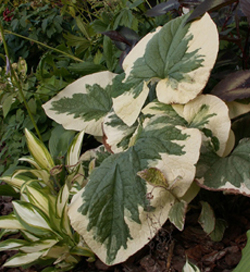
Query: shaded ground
[[168, 250]]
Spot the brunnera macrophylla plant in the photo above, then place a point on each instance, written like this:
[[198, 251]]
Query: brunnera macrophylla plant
[[40, 216], [157, 128]]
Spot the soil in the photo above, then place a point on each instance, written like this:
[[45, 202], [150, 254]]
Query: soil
[[167, 252]]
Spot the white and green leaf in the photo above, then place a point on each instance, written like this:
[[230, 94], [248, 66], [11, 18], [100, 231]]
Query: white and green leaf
[[21, 259], [188, 55], [117, 134], [230, 174], [190, 267], [128, 105], [83, 104], [130, 91], [40, 174], [39, 152], [32, 218], [73, 153], [62, 199], [31, 161], [179, 56], [65, 223], [12, 244], [209, 114], [10, 222], [16, 181], [112, 208], [38, 245], [37, 195]]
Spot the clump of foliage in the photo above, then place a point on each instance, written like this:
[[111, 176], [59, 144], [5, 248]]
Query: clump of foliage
[[158, 128], [169, 111], [41, 213]]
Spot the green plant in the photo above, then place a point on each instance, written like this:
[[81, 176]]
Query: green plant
[[161, 136], [40, 215], [153, 121]]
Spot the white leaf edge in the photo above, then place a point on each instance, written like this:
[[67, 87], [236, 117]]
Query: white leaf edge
[[127, 107], [137, 52], [180, 170], [114, 135], [220, 124], [141, 233], [206, 39], [92, 127]]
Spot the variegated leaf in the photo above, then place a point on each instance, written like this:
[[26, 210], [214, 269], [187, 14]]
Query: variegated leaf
[[74, 151], [189, 56], [180, 56], [41, 174], [117, 134], [30, 160], [37, 196], [16, 180], [12, 244], [10, 222], [189, 267], [209, 114], [230, 174], [128, 105], [112, 209], [83, 104], [39, 152], [65, 223], [177, 56], [21, 259], [62, 199], [38, 245], [32, 218]]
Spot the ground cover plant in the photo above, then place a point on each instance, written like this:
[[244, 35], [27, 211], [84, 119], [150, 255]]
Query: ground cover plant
[[171, 120]]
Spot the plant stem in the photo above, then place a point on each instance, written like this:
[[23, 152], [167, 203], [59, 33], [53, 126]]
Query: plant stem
[[19, 85], [44, 45]]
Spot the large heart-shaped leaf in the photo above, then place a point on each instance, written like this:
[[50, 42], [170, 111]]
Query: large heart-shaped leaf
[[112, 212], [177, 56], [187, 59], [83, 104], [207, 113]]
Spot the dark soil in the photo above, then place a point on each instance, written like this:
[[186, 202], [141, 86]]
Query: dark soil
[[167, 252]]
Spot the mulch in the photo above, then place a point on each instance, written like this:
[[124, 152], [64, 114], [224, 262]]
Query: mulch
[[168, 251]]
